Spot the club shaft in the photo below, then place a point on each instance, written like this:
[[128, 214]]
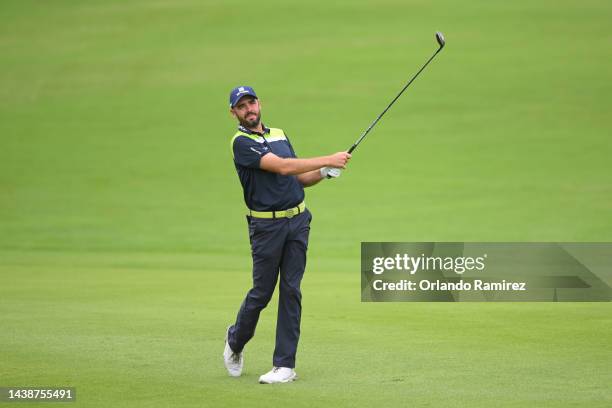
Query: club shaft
[[365, 133]]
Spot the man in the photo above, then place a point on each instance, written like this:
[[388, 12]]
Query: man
[[273, 182]]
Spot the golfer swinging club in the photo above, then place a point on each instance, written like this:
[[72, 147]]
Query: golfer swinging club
[[273, 182]]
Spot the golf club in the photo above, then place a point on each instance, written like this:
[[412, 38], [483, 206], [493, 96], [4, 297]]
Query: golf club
[[441, 42]]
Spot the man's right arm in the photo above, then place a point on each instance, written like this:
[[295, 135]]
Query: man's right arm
[[290, 166]]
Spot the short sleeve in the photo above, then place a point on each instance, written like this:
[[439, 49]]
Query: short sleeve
[[248, 152], [290, 147]]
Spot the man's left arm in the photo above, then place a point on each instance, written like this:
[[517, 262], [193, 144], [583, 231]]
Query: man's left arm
[[310, 178], [313, 177]]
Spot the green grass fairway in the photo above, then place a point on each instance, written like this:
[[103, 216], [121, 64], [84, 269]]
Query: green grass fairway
[[123, 245], [146, 330]]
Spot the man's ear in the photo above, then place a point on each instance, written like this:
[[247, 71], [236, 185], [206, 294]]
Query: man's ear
[[233, 113]]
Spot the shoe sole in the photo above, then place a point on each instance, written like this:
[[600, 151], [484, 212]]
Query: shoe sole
[[290, 379]]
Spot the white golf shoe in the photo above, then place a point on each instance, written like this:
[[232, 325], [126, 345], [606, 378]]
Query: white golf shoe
[[278, 375], [233, 361]]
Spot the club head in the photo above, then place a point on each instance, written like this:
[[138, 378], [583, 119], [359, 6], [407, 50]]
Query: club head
[[440, 39]]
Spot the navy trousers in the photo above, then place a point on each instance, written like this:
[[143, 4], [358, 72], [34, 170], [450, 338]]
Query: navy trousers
[[278, 247]]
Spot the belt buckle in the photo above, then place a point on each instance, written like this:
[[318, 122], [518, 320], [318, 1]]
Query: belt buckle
[[290, 213]]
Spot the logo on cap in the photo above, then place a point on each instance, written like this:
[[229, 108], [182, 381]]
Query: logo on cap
[[240, 91]]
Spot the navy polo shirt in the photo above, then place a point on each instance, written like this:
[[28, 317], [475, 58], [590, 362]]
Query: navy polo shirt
[[264, 190]]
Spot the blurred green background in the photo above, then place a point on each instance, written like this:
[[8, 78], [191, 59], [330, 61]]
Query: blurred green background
[[123, 243]]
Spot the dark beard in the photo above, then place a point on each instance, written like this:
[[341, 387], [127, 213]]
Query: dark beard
[[251, 123]]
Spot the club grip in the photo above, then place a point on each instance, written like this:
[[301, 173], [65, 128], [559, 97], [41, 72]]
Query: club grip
[[351, 149]]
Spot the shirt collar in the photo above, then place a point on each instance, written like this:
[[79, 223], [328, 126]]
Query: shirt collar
[[251, 132]]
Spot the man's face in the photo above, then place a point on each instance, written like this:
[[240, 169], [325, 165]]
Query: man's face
[[247, 111]]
